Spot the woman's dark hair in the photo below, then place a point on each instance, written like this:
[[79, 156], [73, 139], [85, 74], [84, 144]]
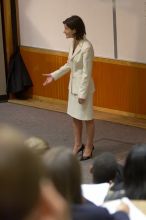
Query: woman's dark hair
[[135, 172], [76, 23], [63, 169]]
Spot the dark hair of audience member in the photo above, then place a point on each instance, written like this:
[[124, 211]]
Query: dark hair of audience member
[[135, 172], [20, 174], [63, 168], [104, 168]]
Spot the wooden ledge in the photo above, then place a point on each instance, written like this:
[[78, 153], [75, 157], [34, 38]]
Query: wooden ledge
[[99, 113]]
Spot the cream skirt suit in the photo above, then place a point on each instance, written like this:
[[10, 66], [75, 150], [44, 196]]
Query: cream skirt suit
[[81, 84]]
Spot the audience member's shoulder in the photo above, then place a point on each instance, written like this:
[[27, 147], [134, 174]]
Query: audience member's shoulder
[[113, 195], [88, 212]]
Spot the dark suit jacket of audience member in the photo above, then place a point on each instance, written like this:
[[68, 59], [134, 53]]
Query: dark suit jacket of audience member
[[90, 212]]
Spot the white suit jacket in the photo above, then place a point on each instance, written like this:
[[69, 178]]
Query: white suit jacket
[[80, 64]]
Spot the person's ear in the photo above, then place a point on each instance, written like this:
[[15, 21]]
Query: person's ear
[[91, 168], [43, 204], [53, 205]]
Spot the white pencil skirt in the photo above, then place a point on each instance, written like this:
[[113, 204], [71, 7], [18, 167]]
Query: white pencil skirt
[[80, 111]]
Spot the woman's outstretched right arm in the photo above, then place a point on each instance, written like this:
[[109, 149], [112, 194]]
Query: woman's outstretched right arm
[[56, 74]]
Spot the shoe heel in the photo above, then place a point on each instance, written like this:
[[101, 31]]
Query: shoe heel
[[87, 157], [81, 148]]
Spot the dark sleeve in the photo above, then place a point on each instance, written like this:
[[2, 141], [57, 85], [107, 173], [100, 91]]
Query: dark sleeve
[[89, 212], [113, 195], [120, 216]]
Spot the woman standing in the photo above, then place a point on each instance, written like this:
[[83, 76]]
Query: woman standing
[[81, 86]]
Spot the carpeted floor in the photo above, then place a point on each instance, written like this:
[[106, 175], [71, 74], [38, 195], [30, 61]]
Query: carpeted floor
[[56, 128]]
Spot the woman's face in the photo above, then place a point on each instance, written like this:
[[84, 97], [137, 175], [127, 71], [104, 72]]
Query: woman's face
[[69, 32]]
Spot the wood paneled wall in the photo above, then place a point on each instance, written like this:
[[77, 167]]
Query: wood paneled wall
[[119, 85], [7, 28]]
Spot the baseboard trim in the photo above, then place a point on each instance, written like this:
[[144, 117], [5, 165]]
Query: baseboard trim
[[120, 113], [110, 115], [96, 109]]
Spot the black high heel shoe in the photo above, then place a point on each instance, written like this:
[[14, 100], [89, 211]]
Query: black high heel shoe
[[87, 157], [81, 148]]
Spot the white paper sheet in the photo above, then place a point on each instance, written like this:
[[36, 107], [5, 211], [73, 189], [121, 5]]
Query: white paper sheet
[[95, 192], [135, 213]]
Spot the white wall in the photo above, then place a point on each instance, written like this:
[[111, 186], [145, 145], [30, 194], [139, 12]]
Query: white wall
[[41, 25], [131, 29]]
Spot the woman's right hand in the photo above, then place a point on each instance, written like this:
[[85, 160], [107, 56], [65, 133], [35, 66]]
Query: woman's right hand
[[48, 80]]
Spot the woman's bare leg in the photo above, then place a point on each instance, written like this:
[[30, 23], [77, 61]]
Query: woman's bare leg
[[90, 129], [77, 127]]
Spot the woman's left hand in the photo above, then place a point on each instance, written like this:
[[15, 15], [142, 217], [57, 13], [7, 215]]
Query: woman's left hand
[[81, 101]]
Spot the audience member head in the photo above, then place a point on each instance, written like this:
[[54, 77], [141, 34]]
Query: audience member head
[[104, 168], [37, 144], [24, 192], [10, 134], [63, 168], [135, 172], [20, 174]]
